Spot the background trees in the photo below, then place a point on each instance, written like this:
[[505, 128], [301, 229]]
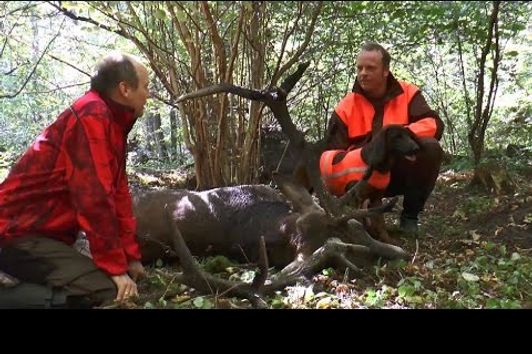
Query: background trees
[[472, 60]]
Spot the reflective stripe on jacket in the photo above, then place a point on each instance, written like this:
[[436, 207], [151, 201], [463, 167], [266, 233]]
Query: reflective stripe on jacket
[[351, 168]]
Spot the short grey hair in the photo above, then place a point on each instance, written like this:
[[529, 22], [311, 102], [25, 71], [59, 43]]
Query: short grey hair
[[112, 70], [374, 46]]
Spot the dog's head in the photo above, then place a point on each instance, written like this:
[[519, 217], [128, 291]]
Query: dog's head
[[402, 142], [390, 142]]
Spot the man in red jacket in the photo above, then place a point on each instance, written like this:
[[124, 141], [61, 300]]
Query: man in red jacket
[[377, 100], [72, 179]]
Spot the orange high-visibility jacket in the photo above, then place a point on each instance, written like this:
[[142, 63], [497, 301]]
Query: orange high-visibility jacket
[[350, 168], [357, 113]]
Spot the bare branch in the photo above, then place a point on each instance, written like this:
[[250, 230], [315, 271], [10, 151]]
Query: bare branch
[[35, 66], [287, 34], [59, 88], [69, 64], [301, 48], [73, 16], [23, 9]]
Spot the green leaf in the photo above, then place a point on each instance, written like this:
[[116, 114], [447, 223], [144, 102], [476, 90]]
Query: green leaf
[[406, 290], [160, 14], [489, 246], [328, 272], [470, 277], [198, 302], [324, 303], [492, 304], [515, 256], [207, 304], [248, 276], [248, 6], [277, 303], [502, 250]]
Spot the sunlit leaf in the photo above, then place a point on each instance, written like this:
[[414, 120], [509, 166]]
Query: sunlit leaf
[[198, 302], [470, 277], [324, 303]]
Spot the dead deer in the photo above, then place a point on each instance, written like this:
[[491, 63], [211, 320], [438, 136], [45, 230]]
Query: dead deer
[[287, 229]]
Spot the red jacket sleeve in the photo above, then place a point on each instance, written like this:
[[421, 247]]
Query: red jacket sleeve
[[126, 219], [92, 172]]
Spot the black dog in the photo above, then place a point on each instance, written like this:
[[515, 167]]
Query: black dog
[[391, 143]]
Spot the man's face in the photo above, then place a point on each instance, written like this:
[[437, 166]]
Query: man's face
[[136, 97], [371, 73]]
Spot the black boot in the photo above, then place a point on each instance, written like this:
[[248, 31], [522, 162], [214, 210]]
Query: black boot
[[409, 225]]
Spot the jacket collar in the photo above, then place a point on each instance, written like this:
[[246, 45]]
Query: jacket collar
[[122, 115], [393, 89]]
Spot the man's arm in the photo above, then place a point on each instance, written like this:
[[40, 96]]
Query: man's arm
[[424, 121], [91, 176], [128, 227], [126, 219]]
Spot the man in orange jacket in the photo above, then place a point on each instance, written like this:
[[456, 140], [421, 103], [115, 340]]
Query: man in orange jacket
[[377, 100], [72, 179]]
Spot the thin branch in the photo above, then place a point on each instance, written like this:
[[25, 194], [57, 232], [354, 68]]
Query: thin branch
[[287, 34], [303, 46], [58, 88], [36, 65], [23, 8], [71, 65], [8, 34], [73, 16]]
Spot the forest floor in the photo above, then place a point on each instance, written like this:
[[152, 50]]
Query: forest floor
[[474, 250]]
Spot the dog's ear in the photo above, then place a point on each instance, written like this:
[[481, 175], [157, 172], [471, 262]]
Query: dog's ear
[[414, 137], [375, 151]]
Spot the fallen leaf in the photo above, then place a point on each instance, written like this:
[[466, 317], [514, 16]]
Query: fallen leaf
[[469, 276], [324, 303], [474, 235]]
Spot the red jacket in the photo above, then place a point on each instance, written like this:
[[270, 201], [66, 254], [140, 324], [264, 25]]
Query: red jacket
[[73, 178]]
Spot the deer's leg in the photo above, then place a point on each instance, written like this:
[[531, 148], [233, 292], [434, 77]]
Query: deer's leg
[[376, 225]]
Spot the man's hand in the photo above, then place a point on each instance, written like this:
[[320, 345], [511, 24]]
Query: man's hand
[[136, 270], [125, 285]]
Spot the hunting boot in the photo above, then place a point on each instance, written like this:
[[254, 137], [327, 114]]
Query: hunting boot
[[409, 225]]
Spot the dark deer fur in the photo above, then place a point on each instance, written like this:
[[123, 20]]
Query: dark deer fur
[[258, 223], [231, 220]]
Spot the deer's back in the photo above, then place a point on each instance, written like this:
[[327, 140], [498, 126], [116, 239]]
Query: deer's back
[[227, 220]]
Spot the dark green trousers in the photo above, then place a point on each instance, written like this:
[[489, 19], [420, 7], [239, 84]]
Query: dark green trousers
[[52, 274]]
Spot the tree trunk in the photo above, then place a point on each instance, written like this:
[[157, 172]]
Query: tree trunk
[[483, 109], [173, 153]]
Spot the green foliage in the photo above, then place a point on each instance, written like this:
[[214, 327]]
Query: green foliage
[[475, 205], [421, 36], [217, 264]]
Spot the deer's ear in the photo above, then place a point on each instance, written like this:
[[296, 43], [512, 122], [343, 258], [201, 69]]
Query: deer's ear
[[297, 194]]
